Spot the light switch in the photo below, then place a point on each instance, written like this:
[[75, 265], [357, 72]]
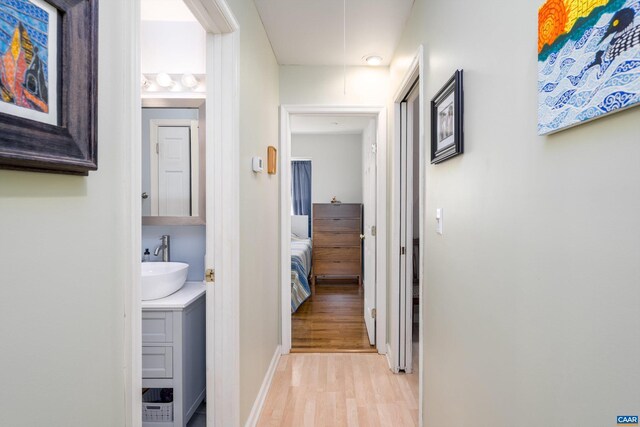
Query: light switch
[[439, 220]]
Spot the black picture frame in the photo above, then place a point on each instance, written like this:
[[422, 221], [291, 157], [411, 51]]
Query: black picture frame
[[71, 147], [447, 130]]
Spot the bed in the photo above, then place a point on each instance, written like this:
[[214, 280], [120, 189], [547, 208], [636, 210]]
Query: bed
[[300, 261]]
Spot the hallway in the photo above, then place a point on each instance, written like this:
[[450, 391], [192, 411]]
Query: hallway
[[339, 390]]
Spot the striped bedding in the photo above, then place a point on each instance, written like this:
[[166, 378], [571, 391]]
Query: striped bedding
[[300, 268]]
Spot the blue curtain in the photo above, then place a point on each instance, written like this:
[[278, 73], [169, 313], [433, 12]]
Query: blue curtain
[[301, 188]]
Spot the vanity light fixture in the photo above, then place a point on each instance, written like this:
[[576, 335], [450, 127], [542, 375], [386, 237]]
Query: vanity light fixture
[[164, 80], [373, 60], [189, 81], [144, 82]]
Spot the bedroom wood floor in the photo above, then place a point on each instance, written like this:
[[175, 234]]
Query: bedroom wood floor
[[339, 389], [331, 320]]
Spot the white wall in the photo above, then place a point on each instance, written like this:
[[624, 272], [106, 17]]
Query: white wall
[[336, 165], [172, 47], [532, 293], [325, 85], [62, 261], [259, 221]]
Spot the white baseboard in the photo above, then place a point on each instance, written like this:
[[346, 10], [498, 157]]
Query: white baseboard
[[256, 410]]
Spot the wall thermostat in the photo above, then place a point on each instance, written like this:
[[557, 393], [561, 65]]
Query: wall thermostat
[[256, 164]]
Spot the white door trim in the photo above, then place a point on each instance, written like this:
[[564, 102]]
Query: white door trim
[[131, 119], [223, 186], [413, 73], [380, 114], [222, 139]]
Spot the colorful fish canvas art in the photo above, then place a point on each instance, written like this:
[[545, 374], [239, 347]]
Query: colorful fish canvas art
[[28, 62], [588, 60]]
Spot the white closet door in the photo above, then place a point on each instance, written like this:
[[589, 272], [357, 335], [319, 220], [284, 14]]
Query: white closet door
[[174, 171]]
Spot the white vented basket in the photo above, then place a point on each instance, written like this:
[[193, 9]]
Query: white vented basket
[[153, 409]]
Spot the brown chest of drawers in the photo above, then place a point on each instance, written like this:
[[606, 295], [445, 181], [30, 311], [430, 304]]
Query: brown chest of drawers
[[336, 240]]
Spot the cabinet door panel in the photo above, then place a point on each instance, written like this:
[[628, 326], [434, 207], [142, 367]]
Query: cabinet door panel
[[157, 327], [157, 362]]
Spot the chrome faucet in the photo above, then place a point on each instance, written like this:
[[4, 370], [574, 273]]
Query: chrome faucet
[[165, 248]]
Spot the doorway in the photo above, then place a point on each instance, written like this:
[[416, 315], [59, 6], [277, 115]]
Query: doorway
[[408, 224], [328, 287], [337, 252], [409, 229], [222, 207]]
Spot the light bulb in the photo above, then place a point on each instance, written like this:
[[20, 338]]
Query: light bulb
[[189, 81], [164, 80]]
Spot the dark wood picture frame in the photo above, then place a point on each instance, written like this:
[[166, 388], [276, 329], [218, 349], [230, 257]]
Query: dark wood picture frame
[[454, 85], [72, 146]]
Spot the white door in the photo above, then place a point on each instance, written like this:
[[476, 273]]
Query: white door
[[174, 171], [369, 233], [409, 121]]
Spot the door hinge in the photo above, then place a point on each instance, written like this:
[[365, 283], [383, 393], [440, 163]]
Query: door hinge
[[210, 275], [374, 312], [157, 148], [402, 250], [373, 230]]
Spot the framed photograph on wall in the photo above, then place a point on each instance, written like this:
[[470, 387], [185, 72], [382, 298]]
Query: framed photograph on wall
[[49, 85], [447, 109]]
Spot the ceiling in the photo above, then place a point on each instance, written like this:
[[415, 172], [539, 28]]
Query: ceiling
[[328, 124], [165, 10], [310, 32]]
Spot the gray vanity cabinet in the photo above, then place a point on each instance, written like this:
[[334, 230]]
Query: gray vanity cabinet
[[173, 355]]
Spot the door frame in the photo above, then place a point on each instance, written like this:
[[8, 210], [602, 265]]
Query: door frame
[[380, 115], [222, 204], [414, 72]]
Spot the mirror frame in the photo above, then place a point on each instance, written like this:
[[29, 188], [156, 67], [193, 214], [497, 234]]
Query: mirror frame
[[198, 103]]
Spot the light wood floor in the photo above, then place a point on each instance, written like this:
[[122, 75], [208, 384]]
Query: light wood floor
[[342, 389], [331, 320]]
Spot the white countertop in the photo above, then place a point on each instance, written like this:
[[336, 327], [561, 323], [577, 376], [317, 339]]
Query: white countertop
[[190, 292]]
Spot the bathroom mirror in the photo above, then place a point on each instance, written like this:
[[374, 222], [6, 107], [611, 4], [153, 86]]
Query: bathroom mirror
[[173, 161]]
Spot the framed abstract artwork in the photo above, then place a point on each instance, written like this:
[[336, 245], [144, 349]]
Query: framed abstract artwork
[[447, 110], [48, 85], [588, 60]]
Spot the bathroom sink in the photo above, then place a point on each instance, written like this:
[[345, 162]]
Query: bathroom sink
[[161, 279]]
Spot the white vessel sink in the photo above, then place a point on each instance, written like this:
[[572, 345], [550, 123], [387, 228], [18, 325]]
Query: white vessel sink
[[161, 279]]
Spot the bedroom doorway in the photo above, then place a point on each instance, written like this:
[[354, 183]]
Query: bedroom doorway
[[331, 229], [328, 288]]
